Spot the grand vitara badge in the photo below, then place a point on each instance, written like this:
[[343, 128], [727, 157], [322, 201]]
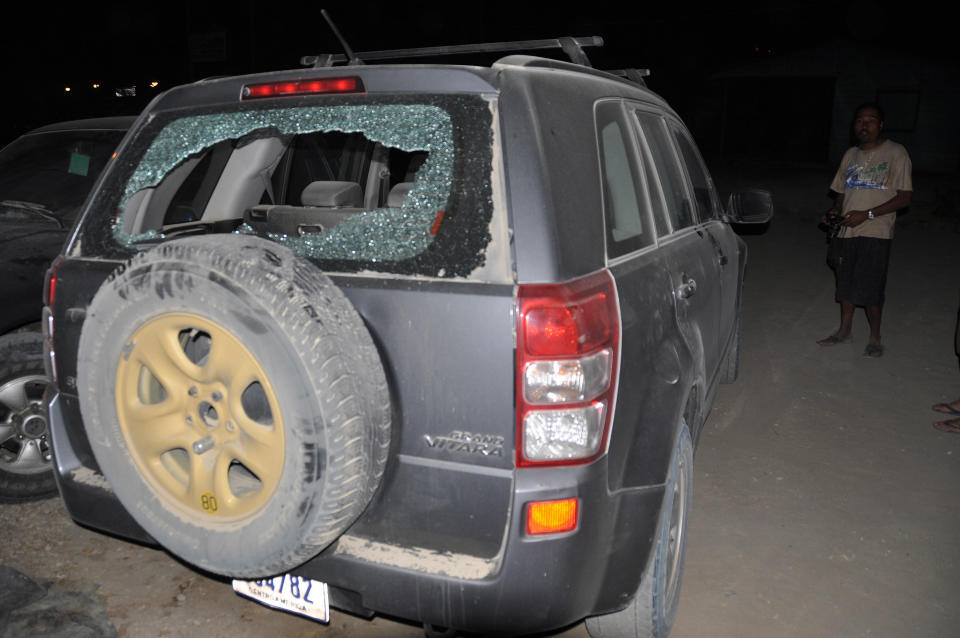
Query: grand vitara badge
[[467, 442]]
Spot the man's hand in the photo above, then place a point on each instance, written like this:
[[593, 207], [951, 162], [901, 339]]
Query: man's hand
[[854, 218], [900, 200], [825, 218]]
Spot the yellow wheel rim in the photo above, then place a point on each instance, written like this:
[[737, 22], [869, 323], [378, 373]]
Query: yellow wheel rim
[[200, 418]]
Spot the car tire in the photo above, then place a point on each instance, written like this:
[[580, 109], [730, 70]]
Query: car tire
[[26, 470], [235, 402], [654, 607]]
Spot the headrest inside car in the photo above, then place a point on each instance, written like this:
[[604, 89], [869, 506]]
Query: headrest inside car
[[332, 195], [397, 193]]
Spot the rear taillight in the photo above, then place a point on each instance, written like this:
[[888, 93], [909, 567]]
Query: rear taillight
[[350, 84], [49, 297], [567, 348], [50, 282]]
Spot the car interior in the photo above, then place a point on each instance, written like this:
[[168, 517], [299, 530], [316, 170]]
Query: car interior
[[290, 185]]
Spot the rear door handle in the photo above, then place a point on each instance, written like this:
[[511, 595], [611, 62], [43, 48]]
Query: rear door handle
[[687, 288]]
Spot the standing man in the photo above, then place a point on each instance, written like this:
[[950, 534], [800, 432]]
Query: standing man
[[872, 184]]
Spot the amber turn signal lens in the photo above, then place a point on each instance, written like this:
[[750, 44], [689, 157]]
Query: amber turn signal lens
[[552, 517]]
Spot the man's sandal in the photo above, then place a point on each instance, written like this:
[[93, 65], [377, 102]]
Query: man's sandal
[[946, 408], [873, 350], [948, 426], [833, 340]]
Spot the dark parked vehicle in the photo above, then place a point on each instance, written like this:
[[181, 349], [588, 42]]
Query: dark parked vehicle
[[45, 175], [432, 341]]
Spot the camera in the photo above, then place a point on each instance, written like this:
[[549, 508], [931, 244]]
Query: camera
[[833, 224]]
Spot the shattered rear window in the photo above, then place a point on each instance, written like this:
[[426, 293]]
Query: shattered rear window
[[395, 185]]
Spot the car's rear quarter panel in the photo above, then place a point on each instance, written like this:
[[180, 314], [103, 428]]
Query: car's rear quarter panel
[[556, 206]]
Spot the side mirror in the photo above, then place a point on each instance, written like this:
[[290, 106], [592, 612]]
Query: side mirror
[[750, 207]]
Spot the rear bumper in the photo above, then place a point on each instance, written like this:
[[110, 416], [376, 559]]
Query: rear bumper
[[86, 494], [532, 583], [536, 584]]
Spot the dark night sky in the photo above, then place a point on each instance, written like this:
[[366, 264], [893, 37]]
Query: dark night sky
[[119, 44]]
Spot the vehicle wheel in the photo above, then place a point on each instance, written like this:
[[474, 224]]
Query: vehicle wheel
[[235, 401], [26, 471], [652, 611], [730, 366]]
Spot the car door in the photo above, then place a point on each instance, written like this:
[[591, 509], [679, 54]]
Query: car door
[[649, 395], [687, 247], [724, 242]]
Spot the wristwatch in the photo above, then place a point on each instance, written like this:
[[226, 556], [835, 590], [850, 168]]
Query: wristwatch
[[870, 215]]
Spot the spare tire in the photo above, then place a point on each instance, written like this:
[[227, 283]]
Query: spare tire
[[235, 402]]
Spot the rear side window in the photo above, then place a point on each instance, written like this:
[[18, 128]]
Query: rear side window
[[398, 186], [625, 206], [678, 206]]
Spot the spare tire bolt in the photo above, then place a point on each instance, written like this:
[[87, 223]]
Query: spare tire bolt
[[204, 444], [229, 426], [216, 396], [189, 419], [192, 391]]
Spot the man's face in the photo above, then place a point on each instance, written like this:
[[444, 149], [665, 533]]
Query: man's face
[[867, 126]]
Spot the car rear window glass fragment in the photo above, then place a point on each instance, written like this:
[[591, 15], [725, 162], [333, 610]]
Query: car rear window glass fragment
[[362, 183]]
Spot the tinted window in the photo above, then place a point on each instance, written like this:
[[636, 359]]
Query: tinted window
[[54, 171], [700, 179], [325, 156], [626, 212], [679, 208], [194, 193]]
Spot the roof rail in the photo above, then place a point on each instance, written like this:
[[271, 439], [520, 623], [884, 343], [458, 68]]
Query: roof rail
[[572, 47], [634, 75]]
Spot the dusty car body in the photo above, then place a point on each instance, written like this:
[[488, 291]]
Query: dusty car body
[[527, 289]]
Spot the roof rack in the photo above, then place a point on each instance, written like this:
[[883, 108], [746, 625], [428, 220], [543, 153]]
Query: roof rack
[[572, 47]]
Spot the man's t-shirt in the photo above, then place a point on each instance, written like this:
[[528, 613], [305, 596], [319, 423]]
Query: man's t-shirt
[[870, 178]]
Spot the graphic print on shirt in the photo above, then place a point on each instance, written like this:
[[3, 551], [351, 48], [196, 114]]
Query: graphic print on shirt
[[868, 177]]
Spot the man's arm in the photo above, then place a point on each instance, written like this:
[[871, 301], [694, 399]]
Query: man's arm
[[892, 205], [837, 207]]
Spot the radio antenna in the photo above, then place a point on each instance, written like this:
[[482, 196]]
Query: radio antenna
[[352, 59]]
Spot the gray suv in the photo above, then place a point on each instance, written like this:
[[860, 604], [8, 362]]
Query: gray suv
[[431, 341]]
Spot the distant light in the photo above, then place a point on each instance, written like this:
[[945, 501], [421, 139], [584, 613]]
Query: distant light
[[66, 89], [96, 85], [154, 84]]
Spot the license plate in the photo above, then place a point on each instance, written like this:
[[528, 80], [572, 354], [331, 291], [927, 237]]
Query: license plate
[[289, 593]]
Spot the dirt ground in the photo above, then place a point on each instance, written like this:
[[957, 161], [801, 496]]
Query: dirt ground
[[824, 502]]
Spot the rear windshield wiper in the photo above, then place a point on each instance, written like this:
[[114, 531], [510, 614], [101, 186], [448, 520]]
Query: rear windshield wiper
[[34, 209]]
